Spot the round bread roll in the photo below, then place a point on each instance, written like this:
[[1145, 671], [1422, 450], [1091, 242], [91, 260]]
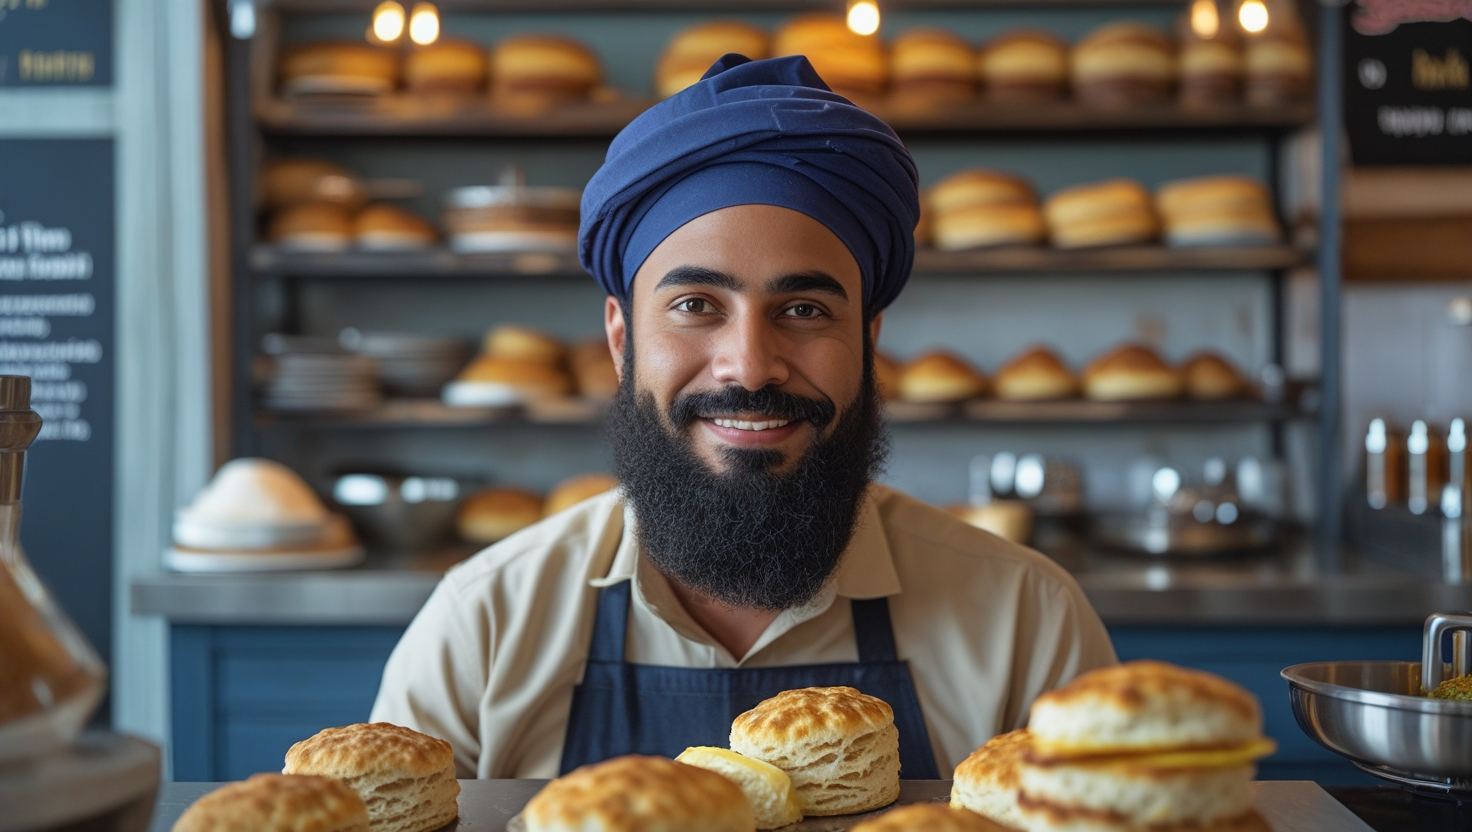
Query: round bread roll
[[1279, 67], [406, 779], [851, 64], [1024, 66], [312, 226], [447, 65], [1225, 190], [987, 781], [344, 68], [522, 343], [1123, 63], [493, 514], [978, 186], [932, 64], [887, 373], [1142, 706], [767, 788], [1036, 374], [940, 377], [1007, 519], [1131, 372], [385, 227], [1124, 229], [839, 746], [1057, 798], [277, 803], [288, 181], [989, 225], [1211, 72], [1112, 212], [1211, 377], [543, 69], [931, 817], [691, 52], [592, 369], [527, 379], [574, 490], [639, 794]]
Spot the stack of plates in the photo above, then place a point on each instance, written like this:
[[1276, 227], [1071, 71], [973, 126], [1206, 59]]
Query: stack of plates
[[323, 381], [409, 364]]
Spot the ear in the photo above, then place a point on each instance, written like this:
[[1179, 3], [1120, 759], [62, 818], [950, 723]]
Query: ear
[[874, 326], [613, 325]]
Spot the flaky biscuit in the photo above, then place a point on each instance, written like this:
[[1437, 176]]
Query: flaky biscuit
[[839, 746], [940, 377], [1036, 374], [929, 817], [277, 803], [767, 788], [1149, 798], [987, 781], [640, 794], [406, 779]]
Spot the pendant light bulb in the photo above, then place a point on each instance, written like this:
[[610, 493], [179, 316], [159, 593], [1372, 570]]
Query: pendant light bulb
[[388, 21], [424, 24], [1253, 15], [1204, 19], [863, 17]]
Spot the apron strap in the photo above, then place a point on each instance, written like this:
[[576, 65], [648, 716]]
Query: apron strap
[[872, 631], [610, 623]]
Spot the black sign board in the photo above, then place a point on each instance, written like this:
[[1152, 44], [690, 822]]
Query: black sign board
[[1408, 92], [56, 326], [55, 43]]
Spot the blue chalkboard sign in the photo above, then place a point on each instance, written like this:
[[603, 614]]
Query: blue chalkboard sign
[[57, 302], [55, 43]]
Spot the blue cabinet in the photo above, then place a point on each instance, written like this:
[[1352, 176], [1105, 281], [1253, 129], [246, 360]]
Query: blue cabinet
[[243, 695]]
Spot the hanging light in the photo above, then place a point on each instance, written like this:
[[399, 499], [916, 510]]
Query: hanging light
[[863, 16], [1253, 16], [1204, 19], [424, 24], [388, 22]]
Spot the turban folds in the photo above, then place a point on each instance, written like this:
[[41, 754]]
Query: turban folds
[[754, 132]]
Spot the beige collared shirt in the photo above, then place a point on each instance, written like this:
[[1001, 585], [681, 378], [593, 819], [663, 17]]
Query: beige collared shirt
[[490, 662]]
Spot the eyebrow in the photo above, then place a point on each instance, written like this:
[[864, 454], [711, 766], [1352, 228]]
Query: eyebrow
[[810, 281]]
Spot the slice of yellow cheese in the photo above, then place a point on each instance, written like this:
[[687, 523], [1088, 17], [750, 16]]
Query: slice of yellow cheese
[[1167, 758]]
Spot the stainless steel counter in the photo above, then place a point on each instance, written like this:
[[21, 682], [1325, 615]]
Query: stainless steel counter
[[1284, 589]]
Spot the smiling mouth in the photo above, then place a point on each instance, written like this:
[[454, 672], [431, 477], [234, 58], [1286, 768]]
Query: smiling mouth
[[755, 426]]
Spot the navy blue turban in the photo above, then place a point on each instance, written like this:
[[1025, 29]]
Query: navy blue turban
[[754, 133]]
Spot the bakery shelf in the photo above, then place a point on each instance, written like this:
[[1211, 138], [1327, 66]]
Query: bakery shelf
[[494, 6], [441, 263], [407, 115], [430, 413]]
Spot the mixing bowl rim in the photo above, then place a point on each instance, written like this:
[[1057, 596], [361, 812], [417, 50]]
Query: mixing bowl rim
[[1398, 701]]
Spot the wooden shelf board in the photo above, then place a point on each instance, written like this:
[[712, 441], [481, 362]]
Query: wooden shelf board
[[1113, 259], [433, 263]]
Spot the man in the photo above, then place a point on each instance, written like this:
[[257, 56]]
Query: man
[[749, 232]]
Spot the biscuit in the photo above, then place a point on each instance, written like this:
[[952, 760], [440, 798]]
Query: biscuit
[[839, 746], [277, 803], [767, 788], [930, 817], [640, 794], [406, 779], [987, 781], [940, 377]]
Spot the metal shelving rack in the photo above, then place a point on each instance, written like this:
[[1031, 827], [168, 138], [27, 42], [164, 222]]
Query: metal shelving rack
[[256, 115]]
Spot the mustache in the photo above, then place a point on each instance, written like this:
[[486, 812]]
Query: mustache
[[768, 401]]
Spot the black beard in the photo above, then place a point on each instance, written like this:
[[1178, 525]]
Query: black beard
[[750, 537]]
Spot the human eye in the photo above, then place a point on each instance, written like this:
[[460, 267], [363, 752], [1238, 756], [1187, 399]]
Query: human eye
[[804, 311], [695, 306]]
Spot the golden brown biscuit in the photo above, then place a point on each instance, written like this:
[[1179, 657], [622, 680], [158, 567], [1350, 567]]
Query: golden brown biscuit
[[288, 181], [522, 343], [406, 779], [1024, 66], [987, 782], [538, 70], [277, 803], [1209, 376], [1217, 210], [446, 65], [1123, 63], [497, 513], [767, 788], [929, 817], [932, 64], [1131, 372], [636, 794], [691, 52], [851, 64], [313, 226], [1210, 191], [940, 377], [839, 746], [980, 226], [338, 68], [574, 490], [1036, 374], [389, 227], [1112, 212], [979, 186], [527, 379]]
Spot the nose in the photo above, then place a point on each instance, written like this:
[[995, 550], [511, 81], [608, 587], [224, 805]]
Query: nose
[[748, 351]]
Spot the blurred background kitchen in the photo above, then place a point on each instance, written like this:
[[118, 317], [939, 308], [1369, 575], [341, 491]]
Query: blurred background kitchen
[[295, 281]]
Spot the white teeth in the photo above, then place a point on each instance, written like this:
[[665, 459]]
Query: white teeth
[[741, 424]]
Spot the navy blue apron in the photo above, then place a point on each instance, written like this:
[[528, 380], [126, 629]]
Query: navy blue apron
[[622, 708]]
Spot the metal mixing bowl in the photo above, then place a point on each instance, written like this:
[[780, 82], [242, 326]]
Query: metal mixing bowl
[[1374, 714]]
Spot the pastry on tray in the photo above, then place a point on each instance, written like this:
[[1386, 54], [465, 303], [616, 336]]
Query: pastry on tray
[[277, 803], [1036, 374], [639, 793], [1132, 372], [406, 779]]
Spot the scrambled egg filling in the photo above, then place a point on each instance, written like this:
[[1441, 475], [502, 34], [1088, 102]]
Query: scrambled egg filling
[[1458, 688]]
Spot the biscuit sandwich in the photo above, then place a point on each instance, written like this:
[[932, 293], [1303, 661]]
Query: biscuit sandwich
[[405, 779], [1143, 745], [839, 746], [277, 803], [639, 794], [767, 788]]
